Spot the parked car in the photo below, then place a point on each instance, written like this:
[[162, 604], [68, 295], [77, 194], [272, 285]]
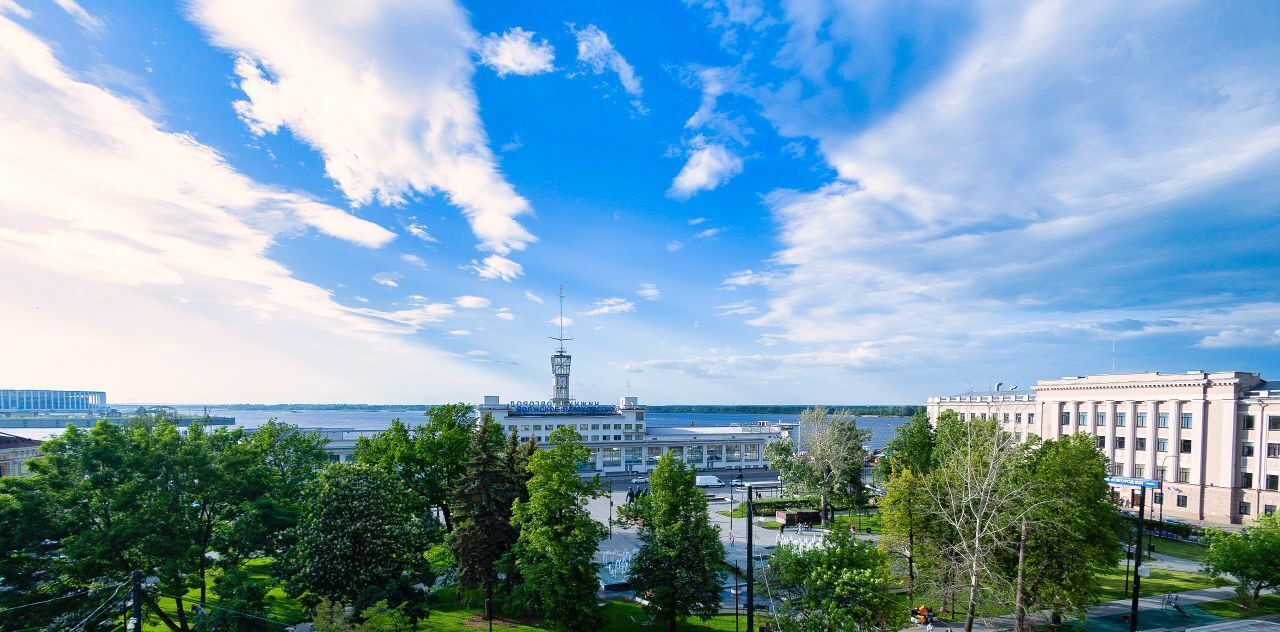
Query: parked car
[[638, 480], [737, 482]]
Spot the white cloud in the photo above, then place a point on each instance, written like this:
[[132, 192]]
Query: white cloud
[[496, 267], [515, 53], [533, 297], [697, 220], [505, 313], [457, 332], [471, 302], [361, 299], [82, 17], [420, 231], [708, 167], [1000, 202], [743, 278], [99, 202], [649, 291], [414, 260], [724, 367], [709, 233], [743, 308], [674, 245], [612, 305], [383, 91], [557, 321], [597, 54], [388, 279], [477, 353]]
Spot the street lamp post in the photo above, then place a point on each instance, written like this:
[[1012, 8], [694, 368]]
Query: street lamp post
[[1163, 474], [610, 508]]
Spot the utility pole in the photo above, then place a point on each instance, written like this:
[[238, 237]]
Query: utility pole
[[135, 622], [751, 564], [1137, 563]]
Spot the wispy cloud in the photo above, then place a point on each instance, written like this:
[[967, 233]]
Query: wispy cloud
[[419, 231], [674, 245], [383, 91], [612, 305], [516, 53], [533, 297], [597, 55], [709, 233], [697, 220], [414, 260], [471, 302], [649, 291]]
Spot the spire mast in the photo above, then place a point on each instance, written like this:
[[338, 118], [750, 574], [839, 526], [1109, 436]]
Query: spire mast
[[560, 362]]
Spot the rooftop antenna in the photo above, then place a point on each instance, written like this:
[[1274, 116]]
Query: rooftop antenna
[[1113, 354], [561, 338]]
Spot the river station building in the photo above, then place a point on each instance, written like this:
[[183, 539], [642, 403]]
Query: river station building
[[1212, 439]]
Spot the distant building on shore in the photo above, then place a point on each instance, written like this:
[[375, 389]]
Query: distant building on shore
[[14, 452], [1211, 439], [39, 408]]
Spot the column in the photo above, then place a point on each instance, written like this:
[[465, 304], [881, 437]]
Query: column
[[1175, 443], [1260, 453], [1110, 409], [1131, 434], [1153, 413]]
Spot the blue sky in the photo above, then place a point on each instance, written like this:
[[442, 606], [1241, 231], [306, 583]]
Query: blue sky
[[852, 202]]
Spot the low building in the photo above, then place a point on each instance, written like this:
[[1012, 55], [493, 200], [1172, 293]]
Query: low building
[[1212, 439], [14, 453]]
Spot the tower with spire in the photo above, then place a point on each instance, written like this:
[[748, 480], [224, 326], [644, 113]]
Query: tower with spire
[[560, 364]]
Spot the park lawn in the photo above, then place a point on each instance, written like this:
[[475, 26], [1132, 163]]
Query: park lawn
[[1229, 609], [1161, 581], [279, 606], [623, 616], [871, 519], [1184, 550]]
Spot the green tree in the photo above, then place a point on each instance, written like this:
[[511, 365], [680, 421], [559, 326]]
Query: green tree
[[680, 564], [1249, 556], [483, 533], [906, 520], [558, 538], [239, 594], [978, 503], [430, 459], [359, 541], [844, 585], [285, 462], [1069, 534], [911, 448], [830, 464]]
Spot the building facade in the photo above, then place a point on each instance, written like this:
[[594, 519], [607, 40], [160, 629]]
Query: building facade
[[1211, 439], [21, 402], [14, 453]]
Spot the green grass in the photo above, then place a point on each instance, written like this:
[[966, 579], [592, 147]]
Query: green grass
[[1229, 609], [871, 519], [623, 616], [1161, 581], [1184, 550], [279, 606], [770, 524]]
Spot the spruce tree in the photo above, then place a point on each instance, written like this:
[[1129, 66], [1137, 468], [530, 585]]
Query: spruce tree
[[483, 533]]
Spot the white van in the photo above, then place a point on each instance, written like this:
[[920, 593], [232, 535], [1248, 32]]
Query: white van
[[708, 481]]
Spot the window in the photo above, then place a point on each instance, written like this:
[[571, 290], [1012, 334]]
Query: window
[[1160, 473], [633, 456], [639, 417], [1102, 419], [1066, 419], [733, 453], [652, 455], [1139, 470], [1273, 422], [626, 426], [617, 437], [1273, 450], [1119, 443], [1246, 479], [1186, 420], [639, 426], [617, 426], [1273, 482], [595, 437], [1017, 418], [677, 452], [1084, 419], [1162, 420], [582, 427], [1006, 417], [1184, 475], [1245, 508], [1248, 422], [1157, 498], [1268, 509], [1142, 420], [961, 416], [1185, 448], [693, 454], [752, 452], [1162, 445], [595, 426], [715, 453], [1180, 500], [1119, 420], [1117, 469], [1017, 436], [1102, 443], [612, 457], [1031, 418], [1247, 450], [537, 427], [1140, 444]]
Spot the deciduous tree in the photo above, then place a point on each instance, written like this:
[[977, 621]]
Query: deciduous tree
[[845, 584], [1250, 556], [830, 463], [680, 564], [558, 537]]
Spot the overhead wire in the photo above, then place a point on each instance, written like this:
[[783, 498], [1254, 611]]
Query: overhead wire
[[94, 613], [243, 614]]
